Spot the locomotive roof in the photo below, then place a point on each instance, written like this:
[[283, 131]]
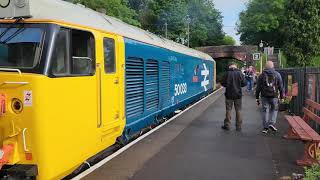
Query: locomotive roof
[[78, 14]]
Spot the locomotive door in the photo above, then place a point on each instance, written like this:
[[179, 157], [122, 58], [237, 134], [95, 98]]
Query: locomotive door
[[109, 87]]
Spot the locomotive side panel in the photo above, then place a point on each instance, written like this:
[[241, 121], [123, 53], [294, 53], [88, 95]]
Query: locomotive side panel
[[192, 78], [160, 81]]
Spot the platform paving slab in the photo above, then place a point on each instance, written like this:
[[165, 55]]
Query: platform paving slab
[[194, 147]]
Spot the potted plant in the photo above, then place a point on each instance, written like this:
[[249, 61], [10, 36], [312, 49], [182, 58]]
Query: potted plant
[[283, 106], [312, 173]]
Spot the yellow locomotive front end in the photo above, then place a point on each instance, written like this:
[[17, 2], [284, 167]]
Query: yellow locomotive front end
[[21, 49], [50, 100], [17, 119], [61, 91]]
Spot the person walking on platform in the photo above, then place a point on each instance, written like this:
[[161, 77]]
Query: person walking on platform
[[269, 85], [233, 81], [249, 74]]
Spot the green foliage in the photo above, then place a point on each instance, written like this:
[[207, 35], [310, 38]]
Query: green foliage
[[312, 173], [228, 40], [293, 25], [264, 61], [302, 32], [283, 60], [316, 61], [206, 23], [152, 15], [205, 20], [115, 8], [222, 66], [261, 21]]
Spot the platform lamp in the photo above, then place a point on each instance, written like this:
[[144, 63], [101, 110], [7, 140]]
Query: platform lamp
[[188, 20], [261, 45]]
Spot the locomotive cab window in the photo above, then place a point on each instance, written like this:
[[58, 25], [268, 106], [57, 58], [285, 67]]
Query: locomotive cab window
[[109, 55], [20, 46], [73, 54]]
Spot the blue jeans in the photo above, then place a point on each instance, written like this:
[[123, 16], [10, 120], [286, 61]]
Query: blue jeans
[[249, 84], [270, 111]]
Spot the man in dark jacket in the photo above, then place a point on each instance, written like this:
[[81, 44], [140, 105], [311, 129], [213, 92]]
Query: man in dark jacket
[[270, 86], [233, 81]]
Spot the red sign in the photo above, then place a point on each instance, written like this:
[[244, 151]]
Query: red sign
[[295, 89], [195, 79]]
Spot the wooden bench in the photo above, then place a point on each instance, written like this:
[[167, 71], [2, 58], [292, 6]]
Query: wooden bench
[[300, 130]]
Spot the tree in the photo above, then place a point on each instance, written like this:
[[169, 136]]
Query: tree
[[116, 8], [205, 24], [302, 32], [261, 21], [228, 40], [152, 15]]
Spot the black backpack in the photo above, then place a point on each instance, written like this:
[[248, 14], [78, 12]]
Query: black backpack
[[270, 85]]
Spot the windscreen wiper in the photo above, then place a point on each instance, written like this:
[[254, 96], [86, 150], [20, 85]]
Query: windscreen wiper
[[11, 26], [18, 31]]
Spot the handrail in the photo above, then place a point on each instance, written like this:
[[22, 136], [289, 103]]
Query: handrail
[[79, 58], [24, 140], [100, 94], [19, 83], [14, 83], [11, 69]]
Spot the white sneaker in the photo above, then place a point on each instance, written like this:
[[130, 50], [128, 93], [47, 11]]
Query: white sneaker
[[265, 130], [273, 128]]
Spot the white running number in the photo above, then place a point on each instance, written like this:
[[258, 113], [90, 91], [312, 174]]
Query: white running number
[[180, 89]]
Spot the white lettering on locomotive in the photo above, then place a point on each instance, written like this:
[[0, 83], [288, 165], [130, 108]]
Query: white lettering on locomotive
[[205, 72], [180, 89], [27, 98]]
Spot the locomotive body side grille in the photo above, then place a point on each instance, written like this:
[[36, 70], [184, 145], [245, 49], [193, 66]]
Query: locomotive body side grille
[[152, 85], [134, 87], [165, 83]]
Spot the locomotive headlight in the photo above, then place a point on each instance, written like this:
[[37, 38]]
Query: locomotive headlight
[[4, 3], [16, 105], [20, 3]]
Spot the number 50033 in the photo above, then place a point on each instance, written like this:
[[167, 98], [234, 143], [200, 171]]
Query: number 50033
[[180, 89]]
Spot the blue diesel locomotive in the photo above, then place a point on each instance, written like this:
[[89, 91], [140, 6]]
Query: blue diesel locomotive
[[160, 81]]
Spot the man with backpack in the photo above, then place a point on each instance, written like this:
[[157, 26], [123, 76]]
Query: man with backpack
[[233, 81], [270, 85]]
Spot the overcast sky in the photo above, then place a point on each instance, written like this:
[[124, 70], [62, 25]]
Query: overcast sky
[[230, 10]]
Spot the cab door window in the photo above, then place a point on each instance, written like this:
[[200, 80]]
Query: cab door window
[[82, 53], [109, 55], [73, 54], [60, 58]]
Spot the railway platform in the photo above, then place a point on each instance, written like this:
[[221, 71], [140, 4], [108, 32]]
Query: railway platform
[[194, 147]]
